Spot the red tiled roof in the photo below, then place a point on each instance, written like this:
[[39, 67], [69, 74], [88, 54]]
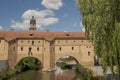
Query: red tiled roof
[[10, 35]]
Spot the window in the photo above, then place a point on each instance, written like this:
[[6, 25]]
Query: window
[[72, 48], [32, 42], [74, 41], [30, 52], [14, 48], [21, 48], [66, 41], [21, 41], [28, 41], [67, 34], [37, 48], [60, 48], [58, 41], [30, 48], [88, 53], [31, 34]]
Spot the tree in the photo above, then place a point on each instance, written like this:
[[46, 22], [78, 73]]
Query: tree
[[101, 19], [28, 63]]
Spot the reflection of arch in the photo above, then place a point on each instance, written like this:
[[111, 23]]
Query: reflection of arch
[[40, 62]]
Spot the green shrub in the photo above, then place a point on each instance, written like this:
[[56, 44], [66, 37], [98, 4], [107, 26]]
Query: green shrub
[[62, 65], [28, 63]]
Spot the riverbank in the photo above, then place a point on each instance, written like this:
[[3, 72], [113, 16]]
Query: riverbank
[[7, 74]]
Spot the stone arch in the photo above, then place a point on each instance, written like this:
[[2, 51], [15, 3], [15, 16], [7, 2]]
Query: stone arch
[[41, 63], [76, 58], [21, 56]]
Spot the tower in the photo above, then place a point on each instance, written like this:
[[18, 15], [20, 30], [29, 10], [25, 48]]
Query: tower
[[32, 24]]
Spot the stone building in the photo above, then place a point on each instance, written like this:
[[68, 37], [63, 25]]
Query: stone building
[[48, 47]]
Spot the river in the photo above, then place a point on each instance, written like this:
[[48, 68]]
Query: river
[[39, 75]]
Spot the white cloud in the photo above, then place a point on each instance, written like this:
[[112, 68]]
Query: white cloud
[[43, 18], [1, 27], [52, 4], [81, 25]]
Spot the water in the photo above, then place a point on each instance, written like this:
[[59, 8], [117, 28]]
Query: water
[[39, 75]]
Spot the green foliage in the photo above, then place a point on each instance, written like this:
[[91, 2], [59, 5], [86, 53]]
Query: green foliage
[[62, 65], [85, 74], [28, 63], [25, 64], [101, 19], [77, 68], [8, 74]]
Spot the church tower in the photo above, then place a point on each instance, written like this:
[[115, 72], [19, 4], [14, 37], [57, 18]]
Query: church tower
[[32, 24]]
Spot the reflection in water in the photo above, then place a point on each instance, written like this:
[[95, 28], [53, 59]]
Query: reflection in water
[[39, 75], [34, 75]]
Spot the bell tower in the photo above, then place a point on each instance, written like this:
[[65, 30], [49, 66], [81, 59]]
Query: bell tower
[[32, 24]]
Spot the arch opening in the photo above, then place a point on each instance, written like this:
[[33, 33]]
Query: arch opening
[[66, 62], [29, 63]]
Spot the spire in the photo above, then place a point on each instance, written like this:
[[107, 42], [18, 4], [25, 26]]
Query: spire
[[32, 24]]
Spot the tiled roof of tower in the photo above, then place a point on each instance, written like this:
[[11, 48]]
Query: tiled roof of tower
[[11, 35]]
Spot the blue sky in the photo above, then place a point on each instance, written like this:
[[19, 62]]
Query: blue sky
[[55, 15]]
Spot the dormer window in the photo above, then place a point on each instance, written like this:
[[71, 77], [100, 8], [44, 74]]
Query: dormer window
[[67, 34], [30, 34]]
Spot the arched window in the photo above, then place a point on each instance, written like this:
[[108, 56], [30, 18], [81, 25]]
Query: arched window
[[88, 53], [37, 48], [32, 42], [60, 48], [21, 48], [72, 48], [30, 48]]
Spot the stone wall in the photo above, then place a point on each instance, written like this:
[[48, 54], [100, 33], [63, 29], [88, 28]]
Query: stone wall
[[48, 52]]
